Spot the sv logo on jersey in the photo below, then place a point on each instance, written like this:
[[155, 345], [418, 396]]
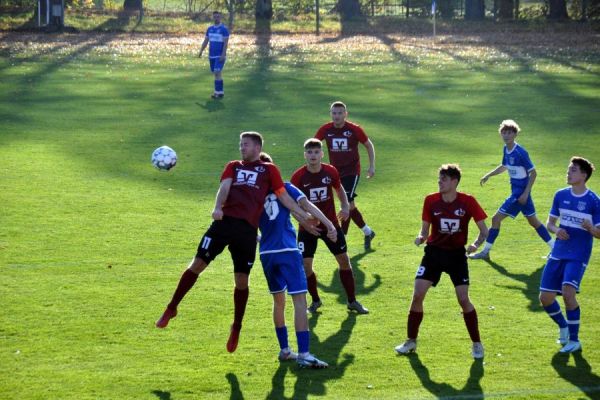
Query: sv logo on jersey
[[347, 133], [318, 194], [246, 177], [339, 144], [449, 225], [460, 212], [260, 168], [581, 205], [326, 180]]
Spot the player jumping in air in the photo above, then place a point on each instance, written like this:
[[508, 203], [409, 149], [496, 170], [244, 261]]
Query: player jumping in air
[[238, 207], [447, 213], [217, 37], [319, 181], [522, 174], [577, 210], [282, 265], [342, 138]]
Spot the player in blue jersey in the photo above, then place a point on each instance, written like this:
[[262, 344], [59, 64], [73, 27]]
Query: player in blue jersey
[[577, 209], [284, 270], [217, 36], [522, 174]]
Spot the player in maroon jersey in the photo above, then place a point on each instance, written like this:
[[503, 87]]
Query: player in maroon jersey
[[342, 138], [238, 206], [318, 181], [447, 213]]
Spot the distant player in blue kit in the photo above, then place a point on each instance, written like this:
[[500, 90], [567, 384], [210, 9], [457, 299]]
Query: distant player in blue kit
[[218, 37], [522, 174], [578, 211], [282, 264]]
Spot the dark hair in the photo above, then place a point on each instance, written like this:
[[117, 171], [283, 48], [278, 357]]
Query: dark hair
[[265, 157], [337, 104], [312, 143], [255, 136], [216, 12], [509, 125], [450, 170], [584, 165]]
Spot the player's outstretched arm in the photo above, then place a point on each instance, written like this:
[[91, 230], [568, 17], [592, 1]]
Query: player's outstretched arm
[[294, 208], [222, 194], [560, 233], [313, 210], [483, 234], [498, 170], [422, 236], [371, 152]]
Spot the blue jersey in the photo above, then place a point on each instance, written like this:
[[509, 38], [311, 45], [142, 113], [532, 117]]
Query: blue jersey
[[216, 35], [571, 210], [519, 165], [277, 232]]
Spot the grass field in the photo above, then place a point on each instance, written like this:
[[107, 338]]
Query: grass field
[[93, 239]]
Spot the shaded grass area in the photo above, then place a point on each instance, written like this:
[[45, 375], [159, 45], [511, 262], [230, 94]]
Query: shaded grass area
[[93, 239]]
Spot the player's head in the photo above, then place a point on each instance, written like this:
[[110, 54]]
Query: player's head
[[217, 17], [265, 157], [449, 177], [338, 113], [508, 129], [250, 145], [579, 171], [313, 151]]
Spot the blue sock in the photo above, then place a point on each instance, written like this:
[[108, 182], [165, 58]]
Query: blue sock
[[573, 320], [282, 336], [554, 312], [543, 232], [303, 341], [219, 86], [492, 235]]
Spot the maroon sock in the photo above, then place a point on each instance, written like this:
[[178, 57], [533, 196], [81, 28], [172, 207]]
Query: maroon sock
[[345, 225], [414, 321], [472, 325], [357, 218], [240, 299], [187, 280], [347, 278], [312, 287]]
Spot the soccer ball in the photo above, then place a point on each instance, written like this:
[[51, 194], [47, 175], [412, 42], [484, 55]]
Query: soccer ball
[[164, 158]]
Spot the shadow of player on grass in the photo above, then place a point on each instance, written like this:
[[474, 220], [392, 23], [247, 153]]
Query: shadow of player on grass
[[311, 382], [472, 388], [580, 374], [532, 283], [359, 280]]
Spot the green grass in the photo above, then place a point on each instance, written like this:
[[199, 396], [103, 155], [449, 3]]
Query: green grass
[[93, 239]]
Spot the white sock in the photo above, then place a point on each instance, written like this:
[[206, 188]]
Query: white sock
[[487, 247], [367, 230], [550, 243]]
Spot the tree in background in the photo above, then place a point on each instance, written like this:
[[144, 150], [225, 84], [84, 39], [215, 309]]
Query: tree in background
[[557, 10], [474, 10], [264, 9], [349, 9]]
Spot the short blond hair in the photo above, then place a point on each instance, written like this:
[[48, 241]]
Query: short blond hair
[[509, 124]]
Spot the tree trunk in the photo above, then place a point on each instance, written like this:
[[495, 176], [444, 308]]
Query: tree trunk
[[557, 10], [230, 5], [264, 9], [506, 9], [474, 10], [348, 9], [446, 8]]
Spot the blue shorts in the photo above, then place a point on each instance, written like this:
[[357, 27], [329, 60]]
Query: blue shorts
[[284, 271], [216, 65], [512, 207], [561, 272]]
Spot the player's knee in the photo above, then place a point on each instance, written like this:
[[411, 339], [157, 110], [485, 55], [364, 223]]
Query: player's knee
[[546, 298], [197, 265], [497, 220]]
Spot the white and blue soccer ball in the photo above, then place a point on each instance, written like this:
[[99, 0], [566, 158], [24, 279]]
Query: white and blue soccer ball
[[164, 158]]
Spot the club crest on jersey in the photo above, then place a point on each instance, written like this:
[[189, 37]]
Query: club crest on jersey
[[449, 225], [326, 180], [460, 212], [260, 168], [318, 194], [581, 205], [511, 160], [339, 144], [245, 177], [347, 133]]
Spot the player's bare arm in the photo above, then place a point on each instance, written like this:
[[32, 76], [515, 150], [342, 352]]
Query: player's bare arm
[[498, 170], [560, 233], [222, 194], [523, 197], [422, 236], [204, 44], [344, 213], [294, 208], [593, 230], [313, 210], [371, 153], [224, 53], [483, 234]]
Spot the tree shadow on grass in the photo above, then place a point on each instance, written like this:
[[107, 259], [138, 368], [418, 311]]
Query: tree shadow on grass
[[580, 374], [472, 388], [531, 281], [162, 395], [359, 279], [312, 382]]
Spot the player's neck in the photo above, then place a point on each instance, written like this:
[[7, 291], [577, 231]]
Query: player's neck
[[314, 168], [579, 188], [339, 125], [511, 146], [450, 196]]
